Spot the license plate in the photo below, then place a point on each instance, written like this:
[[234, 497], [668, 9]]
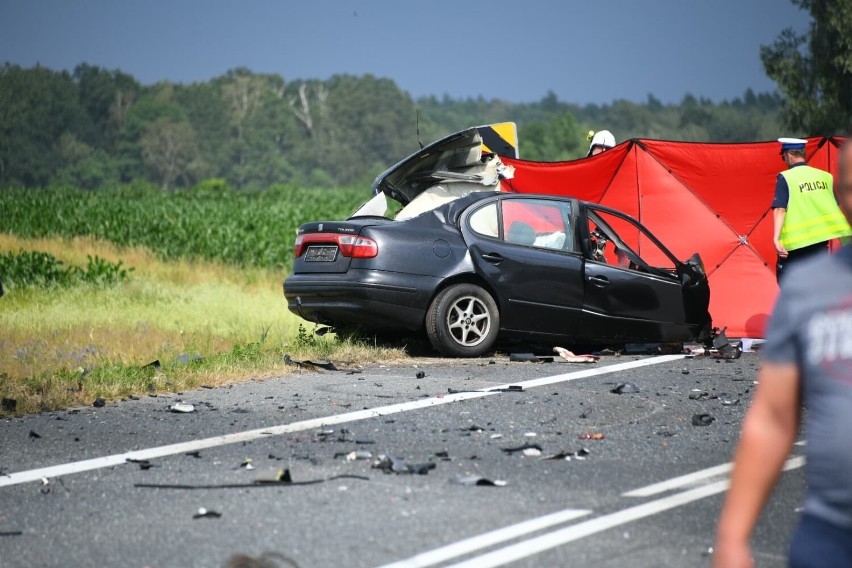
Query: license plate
[[321, 254]]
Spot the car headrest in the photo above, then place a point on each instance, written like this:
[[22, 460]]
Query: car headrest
[[520, 233]]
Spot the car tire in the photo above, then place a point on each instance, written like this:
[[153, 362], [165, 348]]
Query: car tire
[[463, 321]]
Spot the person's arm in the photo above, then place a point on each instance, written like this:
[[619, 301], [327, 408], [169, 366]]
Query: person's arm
[[779, 212], [769, 431], [778, 216]]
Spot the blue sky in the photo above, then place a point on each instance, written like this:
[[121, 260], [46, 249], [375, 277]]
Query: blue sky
[[517, 51]]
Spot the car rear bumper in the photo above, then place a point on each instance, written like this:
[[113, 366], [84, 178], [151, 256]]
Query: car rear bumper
[[374, 299]]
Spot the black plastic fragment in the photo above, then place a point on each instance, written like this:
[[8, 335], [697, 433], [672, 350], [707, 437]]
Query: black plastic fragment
[[420, 374], [99, 403], [625, 388], [322, 364], [143, 464], [205, 514], [702, 419], [155, 364], [522, 448], [11, 533], [34, 434]]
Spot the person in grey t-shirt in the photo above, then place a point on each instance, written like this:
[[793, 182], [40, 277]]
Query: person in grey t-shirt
[[807, 360]]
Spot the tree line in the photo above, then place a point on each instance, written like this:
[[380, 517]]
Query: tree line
[[95, 127]]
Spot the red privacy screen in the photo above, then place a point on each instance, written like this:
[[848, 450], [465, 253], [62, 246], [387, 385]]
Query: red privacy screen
[[707, 198]]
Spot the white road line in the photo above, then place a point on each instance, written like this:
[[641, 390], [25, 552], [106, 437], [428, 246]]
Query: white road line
[[572, 533], [485, 540], [249, 435], [696, 477]]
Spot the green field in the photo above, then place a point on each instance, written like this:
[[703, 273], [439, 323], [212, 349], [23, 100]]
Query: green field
[[99, 283]]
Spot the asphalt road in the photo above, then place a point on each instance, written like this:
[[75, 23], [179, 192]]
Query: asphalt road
[[98, 510]]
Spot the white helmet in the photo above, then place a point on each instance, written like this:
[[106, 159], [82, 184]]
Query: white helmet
[[602, 138]]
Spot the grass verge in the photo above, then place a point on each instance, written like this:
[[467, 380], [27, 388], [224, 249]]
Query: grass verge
[[206, 323]]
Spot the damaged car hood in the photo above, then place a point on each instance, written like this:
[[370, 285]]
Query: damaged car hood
[[456, 158]]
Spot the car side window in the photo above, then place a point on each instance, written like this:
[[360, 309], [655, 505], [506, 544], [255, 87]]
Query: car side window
[[484, 221], [540, 223], [615, 241]]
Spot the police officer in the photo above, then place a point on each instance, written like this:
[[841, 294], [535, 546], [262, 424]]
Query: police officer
[[805, 212]]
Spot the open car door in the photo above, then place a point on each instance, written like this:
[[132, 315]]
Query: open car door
[[630, 295]]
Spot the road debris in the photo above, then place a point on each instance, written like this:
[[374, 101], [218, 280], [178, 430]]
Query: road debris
[[532, 452], [281, 478], [568, 456], [247, 464], [625, 388], [34, 434], [477, 480], [206, 514], [592, 436], [143, 464], [420, 374], [358, 455], [99, 403], [322, 364], [530, 358], [182, 407], [389, 463], [702, 419], [521, 448], [572, 358], [698, 394]]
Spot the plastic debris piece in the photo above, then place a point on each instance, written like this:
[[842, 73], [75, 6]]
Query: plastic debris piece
[[420, 374], [206, 514], [730, 402], [511, 388], [99, 402], [195, 454], [322, 364], [532, 452], [155, 364], [572, 358], [625, 388], [34, 434], [389, 463], [8, 404], [701, 395], [702, 419], [530, 435], [521, 448], [359, 455], [496, 436], [11, 533], [247, 464], [143, 464], [182, 408], [592, 436], [477, 480]]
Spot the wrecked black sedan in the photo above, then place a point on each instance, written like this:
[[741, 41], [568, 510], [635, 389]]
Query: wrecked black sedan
[[470, 264]]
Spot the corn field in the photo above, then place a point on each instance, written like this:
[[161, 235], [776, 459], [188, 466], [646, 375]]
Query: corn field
[[238, 228]]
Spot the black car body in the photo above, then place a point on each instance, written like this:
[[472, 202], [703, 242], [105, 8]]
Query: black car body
[[469, 263]]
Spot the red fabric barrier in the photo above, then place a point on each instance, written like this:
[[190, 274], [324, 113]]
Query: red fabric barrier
[[707, 198]]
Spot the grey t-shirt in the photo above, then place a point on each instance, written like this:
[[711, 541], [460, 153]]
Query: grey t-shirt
[[812, 328]]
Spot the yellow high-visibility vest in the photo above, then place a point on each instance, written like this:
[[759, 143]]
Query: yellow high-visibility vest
[[812, 212]]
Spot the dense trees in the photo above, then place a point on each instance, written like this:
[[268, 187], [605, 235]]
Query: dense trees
[[814, 70], [95, 127]]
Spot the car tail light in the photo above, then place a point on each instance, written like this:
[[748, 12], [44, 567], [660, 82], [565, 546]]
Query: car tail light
[[349, 245]]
